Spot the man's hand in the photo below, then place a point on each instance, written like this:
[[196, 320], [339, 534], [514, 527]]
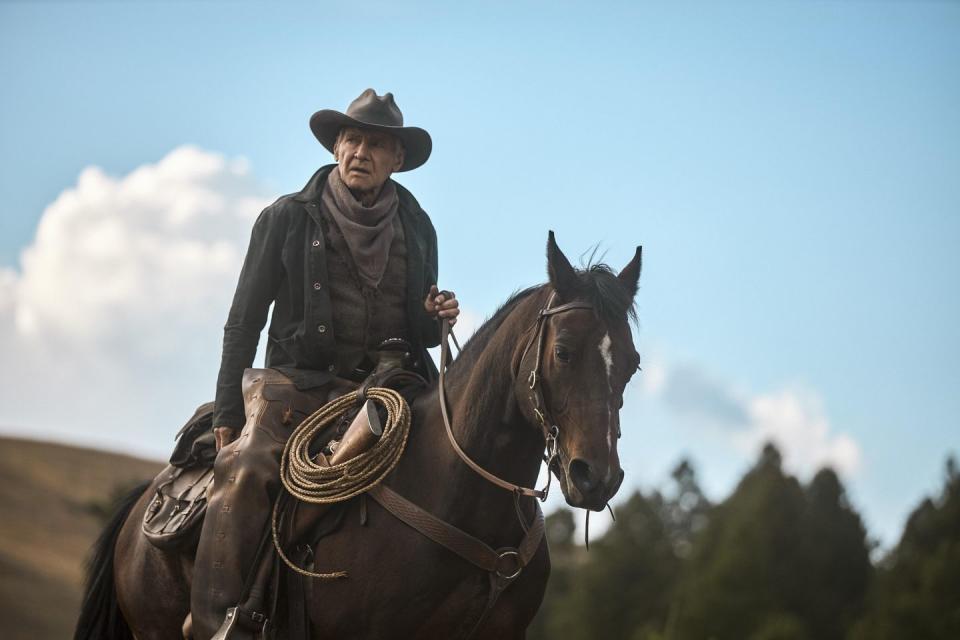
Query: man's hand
[[443, 304], [224, 436]]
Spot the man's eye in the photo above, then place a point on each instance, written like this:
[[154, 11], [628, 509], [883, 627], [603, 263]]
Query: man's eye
[[562, 354]]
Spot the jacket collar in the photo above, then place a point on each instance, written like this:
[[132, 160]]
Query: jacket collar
[[312, 191]]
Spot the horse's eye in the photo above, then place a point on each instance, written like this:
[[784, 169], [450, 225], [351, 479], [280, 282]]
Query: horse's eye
[[562, 354]]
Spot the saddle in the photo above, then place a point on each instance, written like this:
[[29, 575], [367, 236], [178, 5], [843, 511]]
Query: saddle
[[174, 518]]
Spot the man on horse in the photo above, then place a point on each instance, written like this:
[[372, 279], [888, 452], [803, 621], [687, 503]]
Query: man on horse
[[348, 262]]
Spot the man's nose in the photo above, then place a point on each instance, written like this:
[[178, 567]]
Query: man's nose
[[362, 150]]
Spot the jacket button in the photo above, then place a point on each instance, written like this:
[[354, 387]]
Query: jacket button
[[322, 328], [316, 243], [317, 286]]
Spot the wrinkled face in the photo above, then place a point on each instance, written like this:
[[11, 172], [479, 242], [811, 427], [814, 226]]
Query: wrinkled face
[[367, 158], [586, 366]]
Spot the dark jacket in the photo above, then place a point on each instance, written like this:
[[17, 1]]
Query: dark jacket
[[286, 265]]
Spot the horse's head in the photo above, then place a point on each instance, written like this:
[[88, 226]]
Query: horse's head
[[586, 357]]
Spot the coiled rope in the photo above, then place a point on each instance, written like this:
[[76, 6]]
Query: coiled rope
[[315, 483]]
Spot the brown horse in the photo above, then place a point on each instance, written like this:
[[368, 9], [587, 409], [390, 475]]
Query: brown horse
[[401, 584]]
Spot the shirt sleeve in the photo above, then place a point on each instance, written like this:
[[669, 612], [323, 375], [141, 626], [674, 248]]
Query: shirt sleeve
[[257, 287], [429, 326]]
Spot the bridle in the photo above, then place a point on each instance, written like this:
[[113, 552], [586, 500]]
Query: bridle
[[549, 427]]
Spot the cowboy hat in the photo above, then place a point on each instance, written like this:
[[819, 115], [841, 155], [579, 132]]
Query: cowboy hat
[[380, 113]]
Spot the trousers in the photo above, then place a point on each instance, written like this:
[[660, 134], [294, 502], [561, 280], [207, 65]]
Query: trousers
[[245, 485]]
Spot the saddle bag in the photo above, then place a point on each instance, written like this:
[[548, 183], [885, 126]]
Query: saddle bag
[[174, 517]]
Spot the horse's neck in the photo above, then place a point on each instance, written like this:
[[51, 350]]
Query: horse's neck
[[478, 392]]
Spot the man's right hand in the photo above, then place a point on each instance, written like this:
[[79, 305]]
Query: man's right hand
[[224, 436]]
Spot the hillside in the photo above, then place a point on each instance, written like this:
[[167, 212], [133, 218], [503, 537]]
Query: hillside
[[52, 498]]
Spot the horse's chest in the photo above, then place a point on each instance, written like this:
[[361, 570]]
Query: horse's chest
[[411, 588]]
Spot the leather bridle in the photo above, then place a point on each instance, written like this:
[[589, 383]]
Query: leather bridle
[[549, 427]]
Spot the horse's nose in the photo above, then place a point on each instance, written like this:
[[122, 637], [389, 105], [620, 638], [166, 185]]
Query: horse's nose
[[616, 485], [583, 476]]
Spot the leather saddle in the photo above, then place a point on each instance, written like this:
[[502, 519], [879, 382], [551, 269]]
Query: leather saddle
[[173, 519]]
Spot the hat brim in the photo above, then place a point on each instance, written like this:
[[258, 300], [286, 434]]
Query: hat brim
[[417, 145]]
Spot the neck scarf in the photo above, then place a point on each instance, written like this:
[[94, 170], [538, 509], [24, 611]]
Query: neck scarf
[[368, 231]]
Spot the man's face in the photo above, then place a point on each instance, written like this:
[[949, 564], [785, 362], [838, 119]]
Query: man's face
[[367, 158]]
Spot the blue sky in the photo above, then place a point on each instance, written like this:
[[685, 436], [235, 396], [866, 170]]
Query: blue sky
[[790, 168]]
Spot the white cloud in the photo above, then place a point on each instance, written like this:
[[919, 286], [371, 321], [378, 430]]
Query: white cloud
[[795, 421], [792, 418], [114, 318]]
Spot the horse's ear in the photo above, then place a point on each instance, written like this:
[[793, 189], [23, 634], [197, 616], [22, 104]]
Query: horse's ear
[[563, 277], [630, 275]]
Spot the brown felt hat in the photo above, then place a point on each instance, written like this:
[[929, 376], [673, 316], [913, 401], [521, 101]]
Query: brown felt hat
[[371, 111]]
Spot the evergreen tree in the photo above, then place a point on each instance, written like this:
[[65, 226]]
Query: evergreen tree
[[685, 508], [623, 589], [743, 569], [916, 593], [775, 561], [836, 560]]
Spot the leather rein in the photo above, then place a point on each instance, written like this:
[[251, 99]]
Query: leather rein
[[548, 427]]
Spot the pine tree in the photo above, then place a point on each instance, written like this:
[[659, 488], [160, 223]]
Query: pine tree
[[916, 593], [775, 561], [836, 560], [623, 589], [743, 569], [685, 508]]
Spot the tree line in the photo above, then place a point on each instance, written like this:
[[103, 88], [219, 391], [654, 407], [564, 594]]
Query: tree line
[[776, 560]]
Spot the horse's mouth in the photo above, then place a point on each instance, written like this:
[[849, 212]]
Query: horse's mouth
[[595, 500]]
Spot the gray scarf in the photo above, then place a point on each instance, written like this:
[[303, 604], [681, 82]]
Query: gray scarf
[[368, 231]]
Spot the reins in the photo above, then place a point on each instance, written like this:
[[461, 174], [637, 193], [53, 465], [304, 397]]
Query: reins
[[548, 427]]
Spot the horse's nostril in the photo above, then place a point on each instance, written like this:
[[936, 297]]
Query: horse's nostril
[[583, 477]]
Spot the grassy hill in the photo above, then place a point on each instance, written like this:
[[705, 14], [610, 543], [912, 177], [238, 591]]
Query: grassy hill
[[52, 503]]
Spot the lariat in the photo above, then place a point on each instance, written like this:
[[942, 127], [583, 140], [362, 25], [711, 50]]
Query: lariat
[[307, 477]]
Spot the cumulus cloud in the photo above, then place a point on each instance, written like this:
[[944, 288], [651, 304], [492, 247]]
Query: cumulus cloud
[[120, 298], [791, 418], [688, 390]]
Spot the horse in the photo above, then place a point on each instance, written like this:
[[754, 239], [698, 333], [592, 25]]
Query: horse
[[548, 368]]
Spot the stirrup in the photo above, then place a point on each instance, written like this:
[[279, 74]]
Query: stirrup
[[255, 627]]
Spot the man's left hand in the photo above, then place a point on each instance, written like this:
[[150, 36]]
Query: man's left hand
[[443, 304]]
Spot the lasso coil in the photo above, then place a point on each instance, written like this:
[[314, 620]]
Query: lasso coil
[[309, 481]]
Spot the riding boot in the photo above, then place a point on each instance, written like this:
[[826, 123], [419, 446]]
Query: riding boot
[[246, 483]]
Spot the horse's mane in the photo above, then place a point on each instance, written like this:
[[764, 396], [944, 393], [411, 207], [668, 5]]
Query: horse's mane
[[597, 284]]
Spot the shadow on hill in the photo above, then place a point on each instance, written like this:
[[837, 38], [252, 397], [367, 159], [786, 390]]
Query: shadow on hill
[[52, 503]]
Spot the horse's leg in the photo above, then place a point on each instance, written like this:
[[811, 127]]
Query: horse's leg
[[153, 586]]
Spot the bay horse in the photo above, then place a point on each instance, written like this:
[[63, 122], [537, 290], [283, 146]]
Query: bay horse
[[402, 584]]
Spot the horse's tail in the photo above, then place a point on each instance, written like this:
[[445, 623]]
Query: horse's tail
[[100, 617]]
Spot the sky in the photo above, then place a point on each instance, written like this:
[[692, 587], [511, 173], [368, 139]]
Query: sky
[[790, 168]]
